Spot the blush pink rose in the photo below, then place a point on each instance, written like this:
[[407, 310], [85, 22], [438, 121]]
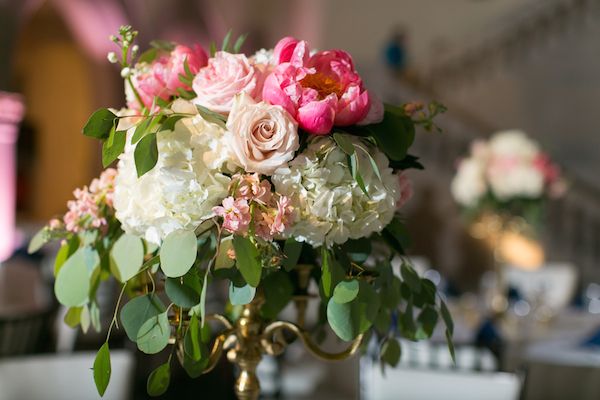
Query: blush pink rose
[[225, 76], [160, 78], [319, 91]]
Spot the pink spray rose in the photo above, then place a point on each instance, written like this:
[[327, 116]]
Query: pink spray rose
[[406, 189], [235, 213], [319, 91], [225, 76], [160, 78]]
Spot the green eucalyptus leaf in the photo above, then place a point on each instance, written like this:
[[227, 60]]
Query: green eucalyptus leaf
[[102, 369], [278, 290], [85, 319], [344, 143], [182, 293], [331, 272], [223, 260], [427, 320], [154, 334], [247, 260], [345, 291], [238, 296], [394, 135], [65, 251], [95, 317], [192, 339], [139, 310], [145, 154], [112, 149], [410, 277], [447, 317], [159, 379], [178, 253], [39, 239], [169, 123], [99, 124], [194, 368], [128, 256], [73, 280], [348, 320], [73, 316], [390, 351], [291, 251]]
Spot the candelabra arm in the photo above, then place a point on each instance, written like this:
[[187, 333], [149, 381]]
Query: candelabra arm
[[313, 348]]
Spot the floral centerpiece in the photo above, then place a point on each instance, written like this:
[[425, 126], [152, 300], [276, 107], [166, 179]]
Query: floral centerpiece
[[502, 187], [265, 173]]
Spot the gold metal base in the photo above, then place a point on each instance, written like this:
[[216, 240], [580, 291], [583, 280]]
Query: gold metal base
[[250, 338]]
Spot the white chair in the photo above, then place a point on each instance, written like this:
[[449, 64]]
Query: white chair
[[64, 377]]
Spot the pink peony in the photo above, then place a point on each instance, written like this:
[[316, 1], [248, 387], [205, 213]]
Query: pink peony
[[319, 91], [225, 76], [235, 213], [160, 78]]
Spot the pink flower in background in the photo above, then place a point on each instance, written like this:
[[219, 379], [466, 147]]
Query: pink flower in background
[[160, 78], [319, 91], [235, 213], [547, 168], [283, 216], [225, 76], [406, 190]]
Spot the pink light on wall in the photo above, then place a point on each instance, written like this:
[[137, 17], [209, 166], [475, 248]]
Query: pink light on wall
[[11, 113]]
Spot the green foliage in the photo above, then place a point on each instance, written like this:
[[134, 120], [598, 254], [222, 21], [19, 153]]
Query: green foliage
[[345, 291], [139, 310], [159, 379], [344, 143], [291, 253], [65, 251], [396, 235], [390, 351], [223, 260], [239, 296], [331, 272], [247, 260], [226, 39], [113, 146], [102, 369], [348, 320], [39, 239], [239, 43], [410, 277], [394, 135], [211, 116], [73, 280], [154, 334], [73, 316], [184, 291], [278, 291], [145, 154], [178, 253], [100, 124], [128, 256]]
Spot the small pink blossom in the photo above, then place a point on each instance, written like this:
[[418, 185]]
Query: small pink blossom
[[250, 187], [235, 213], [406, 190], [547, 168], [273, 221], [54, 224]]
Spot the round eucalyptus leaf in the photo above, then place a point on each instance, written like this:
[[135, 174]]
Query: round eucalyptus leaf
[[128, 256], [239, 296], [178, 253], [350, 319], [182, 293], [159, 379], [154, 334], [102, 369], [390, 351], [139, 310], [345, 291], [223, 260], [340, 319], [73, 281], [39, 239]]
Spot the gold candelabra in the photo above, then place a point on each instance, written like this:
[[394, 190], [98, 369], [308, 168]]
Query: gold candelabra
[[250, 337]]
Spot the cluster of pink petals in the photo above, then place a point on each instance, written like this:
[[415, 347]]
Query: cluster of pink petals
[[161, 78], [89, 208], [319, 91], [271, 214], [552, 176], [406, 190]]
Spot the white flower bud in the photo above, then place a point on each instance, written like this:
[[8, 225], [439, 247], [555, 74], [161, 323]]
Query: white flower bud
[[125, 72], [112, 57], [135, 49]]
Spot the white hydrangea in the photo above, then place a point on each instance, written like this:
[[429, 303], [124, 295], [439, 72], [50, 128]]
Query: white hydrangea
[[332, 207], [468, 185], [183, 187]]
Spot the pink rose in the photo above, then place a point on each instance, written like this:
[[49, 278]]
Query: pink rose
[[225, 76], [160, 78], [319, 91], [264, 137]]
